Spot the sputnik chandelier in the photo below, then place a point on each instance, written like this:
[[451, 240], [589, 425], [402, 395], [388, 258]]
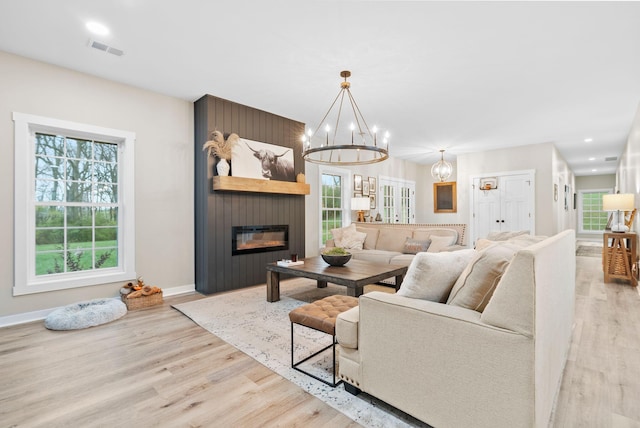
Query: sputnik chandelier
[[442, 169], [335, 146]]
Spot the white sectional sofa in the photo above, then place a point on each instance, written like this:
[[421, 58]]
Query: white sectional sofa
[[451, 366], [387, 243]]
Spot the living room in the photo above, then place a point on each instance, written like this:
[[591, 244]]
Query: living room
[[166, 147]]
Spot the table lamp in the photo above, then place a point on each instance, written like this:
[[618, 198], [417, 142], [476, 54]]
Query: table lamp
[[361, 205], [618, 202]]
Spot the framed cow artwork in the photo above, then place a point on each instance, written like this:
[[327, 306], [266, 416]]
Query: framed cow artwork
[[254, 159]]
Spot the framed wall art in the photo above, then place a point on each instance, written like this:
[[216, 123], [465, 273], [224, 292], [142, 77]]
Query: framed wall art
[[372, 201], [253, 159], [365, 188], [372, 185], [357, 182], [445, 197]]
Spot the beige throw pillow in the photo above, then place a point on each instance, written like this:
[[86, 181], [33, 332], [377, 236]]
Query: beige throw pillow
[[431, 275], [337, 233], [352, 240], [476, 284]]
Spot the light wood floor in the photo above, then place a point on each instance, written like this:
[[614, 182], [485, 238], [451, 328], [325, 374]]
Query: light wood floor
[[601, 381], [155, 367]]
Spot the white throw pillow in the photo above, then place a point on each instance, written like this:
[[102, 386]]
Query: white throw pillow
[[348, 237], [339, 232], [431, 275], [439, 243], [352, 240]]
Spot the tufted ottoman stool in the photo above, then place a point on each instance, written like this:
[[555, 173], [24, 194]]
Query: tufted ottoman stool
[[321, 315]]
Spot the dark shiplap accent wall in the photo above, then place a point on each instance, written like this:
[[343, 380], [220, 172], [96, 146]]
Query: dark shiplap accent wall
[[217, 211]]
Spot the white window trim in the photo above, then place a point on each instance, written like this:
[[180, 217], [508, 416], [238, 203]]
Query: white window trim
[[346, 195], [25, 281]]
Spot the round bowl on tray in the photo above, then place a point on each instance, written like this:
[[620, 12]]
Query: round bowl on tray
[[336, 260]]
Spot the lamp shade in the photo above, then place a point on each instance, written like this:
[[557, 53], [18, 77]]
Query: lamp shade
[[618, 202], [360, 204]]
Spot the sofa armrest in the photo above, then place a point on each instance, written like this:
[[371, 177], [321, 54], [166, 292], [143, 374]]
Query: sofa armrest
[[330, 243], [461, 371], [347, 328]]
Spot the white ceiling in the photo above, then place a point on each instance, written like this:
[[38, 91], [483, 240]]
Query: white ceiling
[[462, 76]]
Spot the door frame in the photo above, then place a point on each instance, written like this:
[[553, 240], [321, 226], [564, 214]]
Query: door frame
[[532, 197]]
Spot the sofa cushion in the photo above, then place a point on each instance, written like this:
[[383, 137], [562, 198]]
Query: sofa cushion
[[375, 256], [372, 237], [431, 275], [426, 233], [402, 260], [392, 239], [415, 246], [440, 243], [475, 286]]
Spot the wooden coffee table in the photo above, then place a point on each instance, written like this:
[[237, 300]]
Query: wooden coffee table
[[354, 275]]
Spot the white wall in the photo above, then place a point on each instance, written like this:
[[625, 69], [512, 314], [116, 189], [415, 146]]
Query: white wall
[[424, 204], [164, 170], [628, 173], [549, 167]]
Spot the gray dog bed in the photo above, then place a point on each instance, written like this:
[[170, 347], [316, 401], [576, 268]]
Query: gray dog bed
[[85, 314]]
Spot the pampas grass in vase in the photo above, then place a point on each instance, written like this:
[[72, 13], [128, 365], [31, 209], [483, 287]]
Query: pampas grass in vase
[[217, 146]]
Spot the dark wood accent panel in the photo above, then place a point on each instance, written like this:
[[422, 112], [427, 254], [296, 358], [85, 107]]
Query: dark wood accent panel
[[216, 212]]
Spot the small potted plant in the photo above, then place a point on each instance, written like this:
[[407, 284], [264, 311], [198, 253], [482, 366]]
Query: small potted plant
[[336, 256]]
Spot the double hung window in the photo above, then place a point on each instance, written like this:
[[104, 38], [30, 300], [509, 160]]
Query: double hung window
[[74, 205]]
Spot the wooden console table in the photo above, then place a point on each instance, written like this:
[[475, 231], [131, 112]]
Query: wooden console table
[[619, 256]]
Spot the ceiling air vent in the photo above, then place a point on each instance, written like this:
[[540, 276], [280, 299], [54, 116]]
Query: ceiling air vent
[[105, 48], [611, 158]]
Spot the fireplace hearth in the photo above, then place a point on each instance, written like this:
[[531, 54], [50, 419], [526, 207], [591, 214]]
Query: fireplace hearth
[[259, 239]]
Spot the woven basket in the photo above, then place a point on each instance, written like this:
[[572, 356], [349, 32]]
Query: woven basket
[[616, 262], [142, 301]]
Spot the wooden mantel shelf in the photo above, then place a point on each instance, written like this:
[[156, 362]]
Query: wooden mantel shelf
[[242, 184]]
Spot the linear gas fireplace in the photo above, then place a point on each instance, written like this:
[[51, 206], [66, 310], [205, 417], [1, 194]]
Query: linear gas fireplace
[[259, 239]]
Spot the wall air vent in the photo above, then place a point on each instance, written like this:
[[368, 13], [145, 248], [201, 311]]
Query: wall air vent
[[105, 48], [611, 158]]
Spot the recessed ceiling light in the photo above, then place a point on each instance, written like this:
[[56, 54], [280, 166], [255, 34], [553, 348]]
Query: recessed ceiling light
[[97, 28], [588, 140], [594, 170], [592, 158]]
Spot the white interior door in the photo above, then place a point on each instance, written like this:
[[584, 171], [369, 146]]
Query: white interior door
[[516, 196], [507, 208]]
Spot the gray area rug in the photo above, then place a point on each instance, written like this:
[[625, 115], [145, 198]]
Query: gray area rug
[[589, 251], [262, 330]]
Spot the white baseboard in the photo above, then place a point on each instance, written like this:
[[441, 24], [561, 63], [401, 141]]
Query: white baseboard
[[26, 317]]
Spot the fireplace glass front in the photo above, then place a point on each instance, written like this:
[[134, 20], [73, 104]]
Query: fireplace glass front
[[259, 239]]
